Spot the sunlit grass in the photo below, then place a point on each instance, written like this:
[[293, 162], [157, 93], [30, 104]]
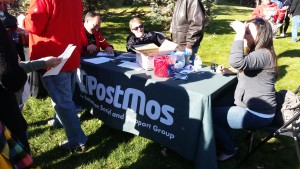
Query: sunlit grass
[[112, 149]]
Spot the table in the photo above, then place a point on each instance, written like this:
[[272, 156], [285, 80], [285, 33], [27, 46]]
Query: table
[[174, 113]]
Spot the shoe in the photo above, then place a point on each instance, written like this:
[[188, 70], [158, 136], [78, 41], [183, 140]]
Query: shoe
[[282, 35], [77, 149], [293, 40]]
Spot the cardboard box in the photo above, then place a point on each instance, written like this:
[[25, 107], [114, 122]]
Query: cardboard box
[[146, 53]]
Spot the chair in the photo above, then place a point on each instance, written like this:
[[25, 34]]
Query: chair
[[291, 128]]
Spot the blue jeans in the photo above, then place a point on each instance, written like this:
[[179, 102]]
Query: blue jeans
[[60, 88], [295, 26], [227, 118]]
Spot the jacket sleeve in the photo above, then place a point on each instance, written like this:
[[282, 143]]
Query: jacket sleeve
[[12, 76], [34, 65], [160, 37], [259, 59], [196, 21], [130, 43], [103, 44], [37, 16], [293, 6]]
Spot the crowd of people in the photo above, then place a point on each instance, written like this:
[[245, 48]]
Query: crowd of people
[[52, 27]]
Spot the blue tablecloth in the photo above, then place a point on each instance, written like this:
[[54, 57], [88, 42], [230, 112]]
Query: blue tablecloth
[[175, 113]]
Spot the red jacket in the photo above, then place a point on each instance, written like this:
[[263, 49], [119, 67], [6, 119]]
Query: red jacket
[[100, 41], [265, 11], [52, 26]]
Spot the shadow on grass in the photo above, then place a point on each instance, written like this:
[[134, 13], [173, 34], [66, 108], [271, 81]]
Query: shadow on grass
[[289, 53], [282, 71], [152, 157], [101, 144]]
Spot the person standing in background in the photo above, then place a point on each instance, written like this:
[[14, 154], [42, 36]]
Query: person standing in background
[[187, 25], [295, 12], [286, 21], [53, 25]]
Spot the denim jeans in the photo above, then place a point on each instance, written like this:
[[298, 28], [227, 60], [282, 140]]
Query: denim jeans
[[228, 118], [60, 88], [295, 26]]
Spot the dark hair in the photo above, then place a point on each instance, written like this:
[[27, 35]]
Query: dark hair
[[264, 39]]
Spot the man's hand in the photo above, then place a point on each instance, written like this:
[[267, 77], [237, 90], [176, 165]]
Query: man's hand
[[190, 51], [52, 61], [20, 20], [109, 50], [92, 48]]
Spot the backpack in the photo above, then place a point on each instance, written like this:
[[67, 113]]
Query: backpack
[[287, 102]]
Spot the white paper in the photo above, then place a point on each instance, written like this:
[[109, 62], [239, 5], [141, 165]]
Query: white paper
[[131, 65], [65, 56], [104, 54], [98, 60], [167, 46]]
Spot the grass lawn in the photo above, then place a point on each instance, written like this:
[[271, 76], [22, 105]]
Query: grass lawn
[[111, 149]]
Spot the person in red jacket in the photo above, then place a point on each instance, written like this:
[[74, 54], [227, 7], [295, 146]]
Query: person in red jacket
[[53, 25], [91, 38], [270, 11]]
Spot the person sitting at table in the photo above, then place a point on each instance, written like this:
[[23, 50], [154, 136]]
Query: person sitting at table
[[139, 36], [91, 38], [254, 96]]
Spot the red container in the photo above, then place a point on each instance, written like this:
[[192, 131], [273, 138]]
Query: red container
[[163, 66]]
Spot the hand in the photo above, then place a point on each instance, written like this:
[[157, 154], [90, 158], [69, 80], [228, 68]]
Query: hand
[[92, 48], [20, 19], [226, 70], [190, 51], [109, 50], [284, 8], [52, 61], [239, 28]]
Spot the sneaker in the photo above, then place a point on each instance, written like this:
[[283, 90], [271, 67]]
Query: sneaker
[[77, 149], [282, 35]]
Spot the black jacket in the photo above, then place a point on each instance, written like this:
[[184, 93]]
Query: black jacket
[[149, 37], [12, 79], [188, 23], [295, 7]]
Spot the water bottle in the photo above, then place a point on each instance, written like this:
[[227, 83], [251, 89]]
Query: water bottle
[[183, 59], [197, 63]]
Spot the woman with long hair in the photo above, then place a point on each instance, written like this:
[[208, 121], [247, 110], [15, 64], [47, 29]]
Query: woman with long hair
[[254, 97]]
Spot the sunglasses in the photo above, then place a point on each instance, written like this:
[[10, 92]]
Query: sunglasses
[[136, 28], [260, 21]]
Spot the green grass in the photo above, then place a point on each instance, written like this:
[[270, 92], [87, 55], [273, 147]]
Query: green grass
[[111, 149]]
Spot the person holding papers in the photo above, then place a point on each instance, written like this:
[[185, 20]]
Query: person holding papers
[[91, 38], [53, 26], [139, 36]]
